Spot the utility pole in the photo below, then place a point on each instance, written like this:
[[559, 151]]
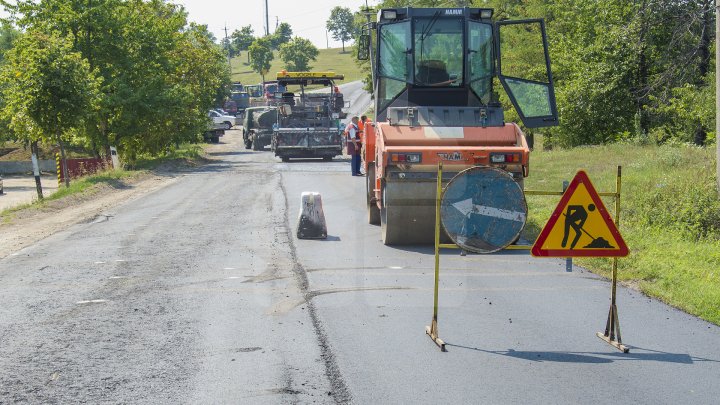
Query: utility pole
[[267, 19], [227, 46], [327, 41], [368, 14]]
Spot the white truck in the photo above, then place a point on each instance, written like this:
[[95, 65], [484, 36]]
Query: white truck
[[226, 121]]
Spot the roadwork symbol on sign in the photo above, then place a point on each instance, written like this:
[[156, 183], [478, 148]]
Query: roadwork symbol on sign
[[580, 226]]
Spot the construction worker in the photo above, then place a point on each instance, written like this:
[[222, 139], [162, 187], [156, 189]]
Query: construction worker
[[352, 137], [361, 127]]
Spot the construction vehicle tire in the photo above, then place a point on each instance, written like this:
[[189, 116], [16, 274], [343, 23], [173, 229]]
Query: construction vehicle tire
[[372, 208], [256, 145], [407, 216]]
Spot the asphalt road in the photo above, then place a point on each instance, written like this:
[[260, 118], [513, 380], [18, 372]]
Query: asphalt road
[[201, 293]]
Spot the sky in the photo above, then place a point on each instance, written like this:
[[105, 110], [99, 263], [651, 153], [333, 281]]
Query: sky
[[307, 18]]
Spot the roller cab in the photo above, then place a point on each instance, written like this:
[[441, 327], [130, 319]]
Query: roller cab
[[433, 75]]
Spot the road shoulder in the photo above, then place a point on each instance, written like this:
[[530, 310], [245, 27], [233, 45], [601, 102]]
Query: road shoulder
[[31, 225]]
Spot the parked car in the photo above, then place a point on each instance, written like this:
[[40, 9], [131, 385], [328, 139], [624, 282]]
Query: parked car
[[227, 120]]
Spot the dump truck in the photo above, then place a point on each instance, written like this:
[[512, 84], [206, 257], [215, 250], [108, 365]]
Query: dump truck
[[255, 95], [433, 72], [258, 127], [241, 101], [307, 126]]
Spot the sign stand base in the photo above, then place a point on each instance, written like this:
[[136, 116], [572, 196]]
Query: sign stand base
[[612, 331], [612, 327], [432, 331]]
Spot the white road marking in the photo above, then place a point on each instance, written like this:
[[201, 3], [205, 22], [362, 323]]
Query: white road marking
[[466, 207], [395, 267], [91, 302], [99, 262]]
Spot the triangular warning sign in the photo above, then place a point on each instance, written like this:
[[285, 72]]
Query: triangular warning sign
[[580, 226]]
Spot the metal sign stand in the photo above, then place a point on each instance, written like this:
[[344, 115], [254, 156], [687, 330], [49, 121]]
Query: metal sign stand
[[612, 327], [432, 330]]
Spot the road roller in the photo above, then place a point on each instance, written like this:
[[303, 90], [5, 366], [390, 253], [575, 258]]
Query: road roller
[[434, 72]]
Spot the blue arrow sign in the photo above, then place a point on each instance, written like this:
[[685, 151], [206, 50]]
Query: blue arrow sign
[[483, 209]]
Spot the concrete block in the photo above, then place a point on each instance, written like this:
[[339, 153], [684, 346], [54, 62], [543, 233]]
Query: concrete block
[[311, 221], [20, 167]]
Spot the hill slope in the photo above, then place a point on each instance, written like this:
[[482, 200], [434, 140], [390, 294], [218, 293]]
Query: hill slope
[[328, 60]]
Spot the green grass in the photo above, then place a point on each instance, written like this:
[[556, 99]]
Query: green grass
[[669, 217], [113, 178], [328, 60], [186, 153]]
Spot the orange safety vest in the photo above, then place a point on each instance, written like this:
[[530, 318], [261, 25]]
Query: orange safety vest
[[361, 129]]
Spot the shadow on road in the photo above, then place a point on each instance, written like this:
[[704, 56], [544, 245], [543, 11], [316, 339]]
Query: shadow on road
[[228, 153], [430, 250], [636, 354]]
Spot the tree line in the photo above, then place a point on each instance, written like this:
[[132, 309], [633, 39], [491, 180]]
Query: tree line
[[295, 52], [639, 70], [135, 74]]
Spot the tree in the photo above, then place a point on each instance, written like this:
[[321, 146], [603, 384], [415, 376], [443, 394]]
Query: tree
[[48, 88], [341, 25], [261, 55], [8, 35], [283, 34], [228, 48], [159, 74], [241, 40], [298, 53]]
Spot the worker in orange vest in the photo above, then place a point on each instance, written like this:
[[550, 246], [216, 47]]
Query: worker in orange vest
[[361, 127], [352, 136]]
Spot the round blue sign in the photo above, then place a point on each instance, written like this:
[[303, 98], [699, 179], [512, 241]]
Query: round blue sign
[[483, 209]]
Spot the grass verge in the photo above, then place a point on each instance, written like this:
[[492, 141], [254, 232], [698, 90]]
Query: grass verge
[[670, 216]]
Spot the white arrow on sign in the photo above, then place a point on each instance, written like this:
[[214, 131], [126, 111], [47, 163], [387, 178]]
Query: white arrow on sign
[[466, 207]]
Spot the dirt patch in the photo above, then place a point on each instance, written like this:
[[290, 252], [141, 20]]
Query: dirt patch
[[22, 153]]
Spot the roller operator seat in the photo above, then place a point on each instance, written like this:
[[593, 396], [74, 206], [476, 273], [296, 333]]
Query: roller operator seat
[[432, 71]]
